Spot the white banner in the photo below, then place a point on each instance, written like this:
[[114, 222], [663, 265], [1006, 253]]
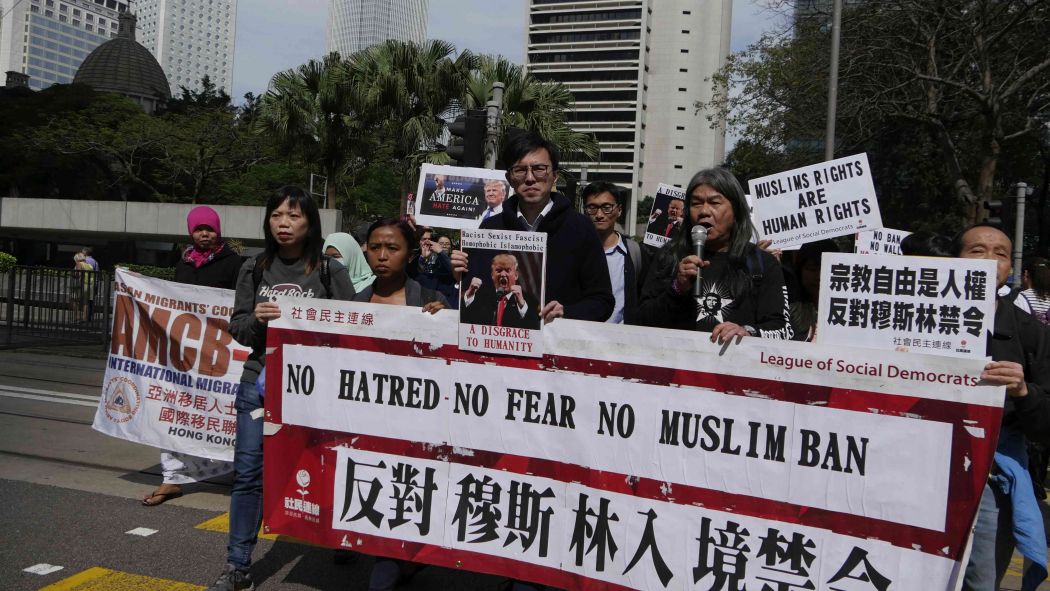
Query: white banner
[[881, 241], [636, 542], [825, 200], [940, 306], [173, 369]]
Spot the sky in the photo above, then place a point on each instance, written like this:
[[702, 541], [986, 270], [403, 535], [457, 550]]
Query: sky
[[275, 35]]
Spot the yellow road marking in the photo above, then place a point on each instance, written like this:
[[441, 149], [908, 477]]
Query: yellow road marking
[[104, 579], [221, 524]]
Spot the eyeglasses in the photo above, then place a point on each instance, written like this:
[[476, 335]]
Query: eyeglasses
[[606, 208], [539, 171]]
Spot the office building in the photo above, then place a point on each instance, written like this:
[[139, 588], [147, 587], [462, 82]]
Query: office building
[[48, 39], [190, 39], [354, 25], [635, 68]]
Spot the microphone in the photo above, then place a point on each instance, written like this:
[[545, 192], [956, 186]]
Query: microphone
[[699, 236]]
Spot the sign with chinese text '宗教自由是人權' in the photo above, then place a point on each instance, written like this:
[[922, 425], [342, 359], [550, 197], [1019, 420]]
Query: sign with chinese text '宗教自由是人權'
[[173, 370], [660, 462], [939, 306]]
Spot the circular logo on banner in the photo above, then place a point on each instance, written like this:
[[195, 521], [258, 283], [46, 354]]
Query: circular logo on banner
[[303, 478], [122, 399]]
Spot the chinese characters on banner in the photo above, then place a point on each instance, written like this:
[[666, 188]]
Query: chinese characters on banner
[[930, 305], [833, 198], [655, 464], [173, 370], [881, 241]]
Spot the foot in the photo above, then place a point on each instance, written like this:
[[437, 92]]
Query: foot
[[232, 579], [164, 493]]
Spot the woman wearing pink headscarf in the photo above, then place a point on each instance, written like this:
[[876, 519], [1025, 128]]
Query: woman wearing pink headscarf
[[209, 262]]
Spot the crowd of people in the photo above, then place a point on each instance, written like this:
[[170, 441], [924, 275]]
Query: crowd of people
[[736, 289]]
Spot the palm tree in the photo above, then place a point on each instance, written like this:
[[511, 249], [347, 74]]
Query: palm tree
[[405, 88], [310, 112], [531, 104]]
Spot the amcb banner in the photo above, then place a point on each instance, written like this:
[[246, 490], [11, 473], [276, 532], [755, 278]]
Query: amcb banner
[[173, 369], [626, 457]]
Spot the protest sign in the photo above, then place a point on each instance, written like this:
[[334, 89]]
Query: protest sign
[[881, 241], [666, 217], [459, 197], [173, 369], [500, 312], [929, 305], [656, 463], [825, 200]]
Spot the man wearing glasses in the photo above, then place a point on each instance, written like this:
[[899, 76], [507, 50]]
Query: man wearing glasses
[[577, 275], [602, 203]]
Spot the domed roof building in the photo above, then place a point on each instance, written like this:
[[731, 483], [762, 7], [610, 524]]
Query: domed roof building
[[123, 66]]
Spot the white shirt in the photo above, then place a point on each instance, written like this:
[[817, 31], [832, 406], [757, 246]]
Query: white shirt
[[616, 257]]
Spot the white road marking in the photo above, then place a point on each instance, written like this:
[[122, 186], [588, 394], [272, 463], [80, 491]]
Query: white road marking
[[43, 569], [141, 531], [49, 396]]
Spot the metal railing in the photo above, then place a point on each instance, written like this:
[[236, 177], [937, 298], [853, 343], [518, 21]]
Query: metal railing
[[42, 306]]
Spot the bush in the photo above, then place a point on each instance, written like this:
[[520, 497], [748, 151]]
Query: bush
[[7, 261], [150, 271]]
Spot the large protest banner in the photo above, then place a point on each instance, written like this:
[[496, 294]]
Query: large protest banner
[[173, 369], [626, 457], [825, 200], [941, 306]]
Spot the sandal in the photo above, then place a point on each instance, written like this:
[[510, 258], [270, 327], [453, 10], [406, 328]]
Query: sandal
[[162, 496]]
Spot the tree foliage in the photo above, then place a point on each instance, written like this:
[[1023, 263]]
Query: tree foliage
[[935, 92]]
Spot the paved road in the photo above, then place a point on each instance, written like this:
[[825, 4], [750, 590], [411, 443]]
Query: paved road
[[70, 497]]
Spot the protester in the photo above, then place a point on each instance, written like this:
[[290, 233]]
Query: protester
[[1037, 294], [388, 245], [343, 247], [291, 263], [446, 244], [210, 262], [1019, 346], [807, 270], [431, 266], [577, 277], [742, 289], [626, 260], [926, 244]]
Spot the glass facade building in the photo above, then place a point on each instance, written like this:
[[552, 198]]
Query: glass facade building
[[354, 25], [48, 39]]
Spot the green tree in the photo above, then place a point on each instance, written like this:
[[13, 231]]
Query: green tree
[[531, 104], [309, 112]]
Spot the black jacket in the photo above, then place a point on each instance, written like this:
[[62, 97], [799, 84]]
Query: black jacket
[[482, 309], [577, 275], [1021, 338], [748, 292], [218, 272]]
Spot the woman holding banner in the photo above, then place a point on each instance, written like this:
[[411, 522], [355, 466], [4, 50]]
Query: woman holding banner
[[389, 244], [741, 289], [293, 265], [211, 262]]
